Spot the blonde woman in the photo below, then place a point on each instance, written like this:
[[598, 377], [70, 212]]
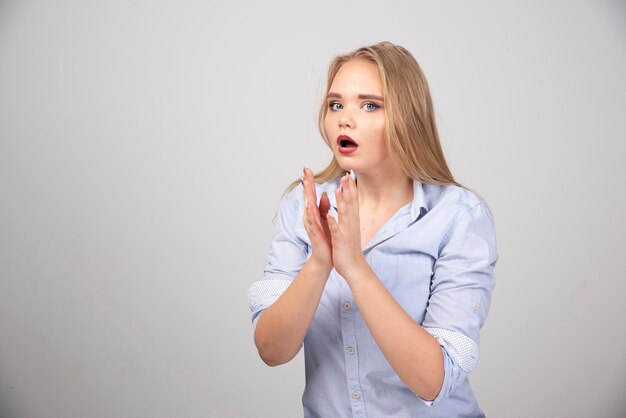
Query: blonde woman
[[385, 276]]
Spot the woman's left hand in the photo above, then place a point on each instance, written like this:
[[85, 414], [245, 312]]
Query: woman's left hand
[[346, 231]]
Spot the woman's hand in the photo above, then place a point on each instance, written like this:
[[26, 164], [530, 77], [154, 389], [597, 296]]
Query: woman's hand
[[315, 222], [345, 231]]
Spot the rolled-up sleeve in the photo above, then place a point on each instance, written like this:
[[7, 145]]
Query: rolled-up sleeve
[[287, 255], [460, 294]]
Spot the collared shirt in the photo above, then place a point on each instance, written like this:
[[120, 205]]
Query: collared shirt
[[436, 257]]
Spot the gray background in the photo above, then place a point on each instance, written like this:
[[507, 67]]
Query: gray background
[[144, 147]]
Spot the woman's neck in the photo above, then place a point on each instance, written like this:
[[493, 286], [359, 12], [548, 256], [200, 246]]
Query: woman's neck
[[384, 189]]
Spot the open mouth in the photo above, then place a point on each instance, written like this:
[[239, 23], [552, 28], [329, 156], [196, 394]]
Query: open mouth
[[346, 144]]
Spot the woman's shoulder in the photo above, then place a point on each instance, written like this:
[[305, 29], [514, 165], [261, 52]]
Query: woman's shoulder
[[451, 197], [460, 211]]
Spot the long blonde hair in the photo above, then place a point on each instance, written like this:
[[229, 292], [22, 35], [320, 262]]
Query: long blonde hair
[[410, 128]]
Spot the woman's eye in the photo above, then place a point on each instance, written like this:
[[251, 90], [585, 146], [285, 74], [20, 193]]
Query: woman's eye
[[370, 106], [335, 106]]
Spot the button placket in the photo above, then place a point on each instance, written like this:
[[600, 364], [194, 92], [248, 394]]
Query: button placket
[[348, 316]]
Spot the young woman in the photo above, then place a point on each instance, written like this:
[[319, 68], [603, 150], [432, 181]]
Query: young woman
[[385, 275]]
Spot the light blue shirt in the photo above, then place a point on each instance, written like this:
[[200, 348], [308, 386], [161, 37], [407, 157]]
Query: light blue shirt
[[436, 256]]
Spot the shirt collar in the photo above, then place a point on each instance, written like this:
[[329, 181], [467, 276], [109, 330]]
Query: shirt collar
[[418, 206]]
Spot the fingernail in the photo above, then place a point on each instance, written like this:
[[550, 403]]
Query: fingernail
[[352, 175], [301, 181], [306, 203], [341, 189]]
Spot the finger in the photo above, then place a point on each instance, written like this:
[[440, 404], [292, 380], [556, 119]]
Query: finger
[[324, 205], [324, 209], [346, 208], [326, 228], [354, 195], [333, 227], [309, 217], [341, 204], [354, 192], [310, 193], [345, 187], [313, 227]]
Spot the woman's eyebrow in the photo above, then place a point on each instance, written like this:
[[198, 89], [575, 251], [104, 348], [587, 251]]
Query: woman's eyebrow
[[371, 97], [332, 95]]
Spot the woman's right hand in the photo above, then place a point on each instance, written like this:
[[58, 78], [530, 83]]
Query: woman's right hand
[[315, 222]]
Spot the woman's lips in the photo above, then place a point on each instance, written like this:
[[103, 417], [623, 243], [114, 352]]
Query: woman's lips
[[346, 145]]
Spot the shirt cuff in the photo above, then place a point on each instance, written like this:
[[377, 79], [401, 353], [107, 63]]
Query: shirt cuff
[[264, 293], [462, 349]]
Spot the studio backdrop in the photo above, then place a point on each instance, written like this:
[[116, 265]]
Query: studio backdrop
[[145, 145]]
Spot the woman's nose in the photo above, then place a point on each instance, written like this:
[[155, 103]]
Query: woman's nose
[[345, 121]]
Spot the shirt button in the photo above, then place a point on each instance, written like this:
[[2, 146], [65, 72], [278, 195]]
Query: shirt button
[[347, 306], [350, 350], [356, 395]]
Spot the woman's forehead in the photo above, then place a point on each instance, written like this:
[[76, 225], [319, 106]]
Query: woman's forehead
[[357, 76]]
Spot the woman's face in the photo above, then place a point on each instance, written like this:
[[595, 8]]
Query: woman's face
[[355, 121]]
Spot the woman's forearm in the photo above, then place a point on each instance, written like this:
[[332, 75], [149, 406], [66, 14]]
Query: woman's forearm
[[281, 328]]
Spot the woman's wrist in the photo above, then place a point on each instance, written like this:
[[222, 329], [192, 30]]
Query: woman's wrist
[[358, 271], [319, 267]]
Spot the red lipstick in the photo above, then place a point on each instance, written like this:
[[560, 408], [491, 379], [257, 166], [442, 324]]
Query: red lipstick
[[346, 145]]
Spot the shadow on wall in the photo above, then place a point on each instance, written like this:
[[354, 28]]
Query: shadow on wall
[[11, 401], [9, 407]]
